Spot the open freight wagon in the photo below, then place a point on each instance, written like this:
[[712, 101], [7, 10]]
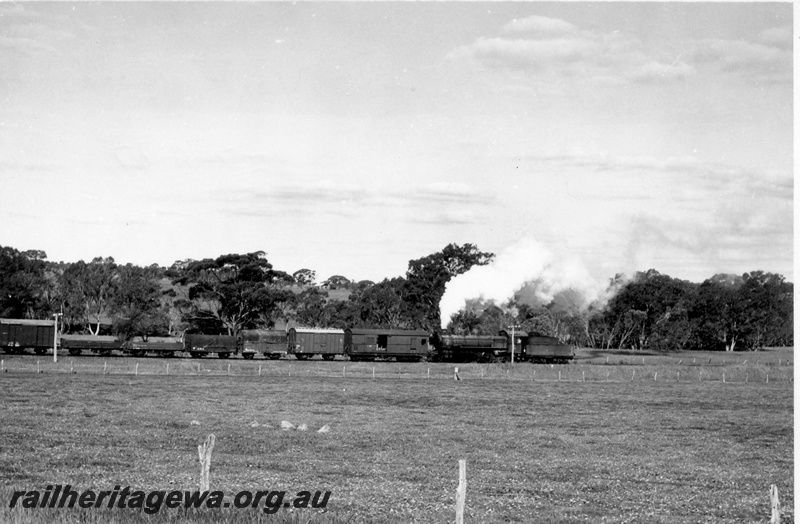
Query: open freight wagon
[[271, 343]]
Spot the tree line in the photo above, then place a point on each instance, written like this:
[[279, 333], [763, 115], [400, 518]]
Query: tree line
[[234, 292]]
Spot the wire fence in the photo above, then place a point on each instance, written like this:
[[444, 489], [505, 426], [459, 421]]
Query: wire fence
[[567, 373]]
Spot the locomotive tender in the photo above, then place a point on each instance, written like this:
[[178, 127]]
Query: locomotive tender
[[356, 344]]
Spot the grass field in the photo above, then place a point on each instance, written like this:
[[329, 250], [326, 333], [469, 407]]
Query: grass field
[[603, 445]]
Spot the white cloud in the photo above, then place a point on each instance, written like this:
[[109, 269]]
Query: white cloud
[[551, 50], [759, 61], [777, 36], [538, 25]]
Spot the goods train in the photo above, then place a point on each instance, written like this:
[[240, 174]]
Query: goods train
[[356, 344]]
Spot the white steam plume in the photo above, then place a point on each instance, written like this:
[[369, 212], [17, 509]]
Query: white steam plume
[[527, 271]]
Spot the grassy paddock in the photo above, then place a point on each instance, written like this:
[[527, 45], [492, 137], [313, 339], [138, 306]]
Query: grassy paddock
[[645, 450]]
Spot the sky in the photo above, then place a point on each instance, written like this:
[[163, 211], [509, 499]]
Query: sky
[[350, 138]]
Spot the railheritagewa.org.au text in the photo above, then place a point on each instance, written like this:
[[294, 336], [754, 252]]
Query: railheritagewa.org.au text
[[150, 502]]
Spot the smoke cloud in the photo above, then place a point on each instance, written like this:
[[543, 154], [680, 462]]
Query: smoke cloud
[[529, 273]]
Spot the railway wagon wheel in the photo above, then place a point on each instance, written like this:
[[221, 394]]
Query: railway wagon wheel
[[167, 354], [328, 357], [248, 356], [274, 356], [138, 352], [197, 354], [40, 351], [75, 351], [303, 356], [223, 355], [104, 352]]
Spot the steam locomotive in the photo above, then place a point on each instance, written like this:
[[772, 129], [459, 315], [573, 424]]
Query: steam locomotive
[[356, 344]]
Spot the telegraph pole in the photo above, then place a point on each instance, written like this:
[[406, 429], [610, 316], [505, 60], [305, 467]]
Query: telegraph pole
[[55, 336], [513, 339]]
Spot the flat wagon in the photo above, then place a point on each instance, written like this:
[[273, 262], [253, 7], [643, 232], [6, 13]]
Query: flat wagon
[[304, 343], [17, 335], [272, 344], [386, 344]]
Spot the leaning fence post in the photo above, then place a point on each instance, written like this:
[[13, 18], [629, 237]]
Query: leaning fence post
[[776, 506], [204, 450], [461, 492], [455, 374]]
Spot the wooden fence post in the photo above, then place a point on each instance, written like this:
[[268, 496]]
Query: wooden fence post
[[776, 506], [455, 374], [461, 492], [204, 450], [135, 372]]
